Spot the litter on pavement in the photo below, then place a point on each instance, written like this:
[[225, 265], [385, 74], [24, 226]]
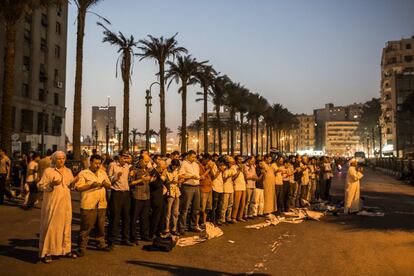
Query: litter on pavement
[[370, 214]]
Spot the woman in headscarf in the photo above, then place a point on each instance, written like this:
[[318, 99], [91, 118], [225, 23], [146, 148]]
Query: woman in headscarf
[[56, 212]]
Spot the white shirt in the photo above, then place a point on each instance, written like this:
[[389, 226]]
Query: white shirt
[[188, 169], [239, 182]]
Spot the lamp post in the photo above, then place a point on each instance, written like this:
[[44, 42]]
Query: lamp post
[[107, 128], [148, 105]]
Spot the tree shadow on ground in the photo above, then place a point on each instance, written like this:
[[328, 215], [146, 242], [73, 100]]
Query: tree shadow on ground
[[22, 249], [183, 270]]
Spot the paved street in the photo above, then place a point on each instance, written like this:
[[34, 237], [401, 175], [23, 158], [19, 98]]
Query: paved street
[[351, 245]]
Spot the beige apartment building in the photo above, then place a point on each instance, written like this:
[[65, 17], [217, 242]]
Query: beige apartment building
[[305, 134], [341, 138], [397, 83], [40, 78]]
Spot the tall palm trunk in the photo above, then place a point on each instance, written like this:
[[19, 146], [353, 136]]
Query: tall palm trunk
[[267, 139], [231, 131], [77, 102], [219, 129], [205, 123], [241, 133], [183, 114], [163, 134], [257, 135], [6, 110], [214, 139], [271, 137], [251, 135], [228, 140], [247, 141], [126, 79]]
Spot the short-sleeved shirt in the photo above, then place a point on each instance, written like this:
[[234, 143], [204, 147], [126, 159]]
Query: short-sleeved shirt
[[250, 171], [96, 197], [119, 183], [141, 191], [239, 182], [217, 184], [172, 183], [228, 181], [205, 182]]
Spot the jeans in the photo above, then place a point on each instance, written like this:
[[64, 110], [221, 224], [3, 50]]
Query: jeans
[[304, 194], [191, 196], [327, 188], [90, 219], [293, 194], [139, 211], [173, 209], [258, 202], [286, 187], [280, 195], [249, 206], [227, 207], [218, 199], [119, 210]]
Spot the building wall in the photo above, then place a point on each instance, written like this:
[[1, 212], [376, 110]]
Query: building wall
[[341, 138], [305, 134], [40, 78], [397, 58]]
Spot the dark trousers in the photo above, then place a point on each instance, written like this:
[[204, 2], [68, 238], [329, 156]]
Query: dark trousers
[[139, 211], [90, 219], [304, 194], [286, 187], [217, 206], [191, 196], [3, 190], [327, 188], [157, 212], [280, 195], [33, 193], [119, 209]]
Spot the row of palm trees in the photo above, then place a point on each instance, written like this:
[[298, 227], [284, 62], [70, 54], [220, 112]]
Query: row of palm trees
[[218, 89]]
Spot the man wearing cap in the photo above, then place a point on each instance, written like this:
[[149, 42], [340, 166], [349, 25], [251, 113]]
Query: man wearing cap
[[120, 201], [352, 188]]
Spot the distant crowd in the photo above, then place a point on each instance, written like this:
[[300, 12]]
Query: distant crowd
[[145, 196]]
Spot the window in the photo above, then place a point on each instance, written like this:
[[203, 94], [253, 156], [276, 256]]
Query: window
[[28, 18], [56, 99], [59, 10], [42, 73], [58, 28], [43, 45], [42, 121], [57, 51], [57, 126], [408, 46], [25, 90], [42, 95], [408, 58], [27, 35], [44, 20], [26, 63], [27, 120]]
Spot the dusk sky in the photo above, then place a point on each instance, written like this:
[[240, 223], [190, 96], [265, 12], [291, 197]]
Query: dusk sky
[[301, 54]]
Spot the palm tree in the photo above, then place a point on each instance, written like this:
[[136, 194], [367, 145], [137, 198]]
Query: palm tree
[[134, 133], [217, 94], [11, 12], [205, 76], [183, 70], [83, 6], [126, 49], [196, 126], [161, 50], [257, 106]]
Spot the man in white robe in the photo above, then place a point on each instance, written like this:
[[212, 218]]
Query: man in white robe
[[352, 188]]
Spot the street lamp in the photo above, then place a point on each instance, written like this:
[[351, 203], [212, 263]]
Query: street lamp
[[148, 105]]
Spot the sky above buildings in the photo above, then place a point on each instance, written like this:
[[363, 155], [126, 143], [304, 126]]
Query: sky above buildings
[[301, 54]]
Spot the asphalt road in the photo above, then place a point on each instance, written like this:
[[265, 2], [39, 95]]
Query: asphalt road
[[336, 245]]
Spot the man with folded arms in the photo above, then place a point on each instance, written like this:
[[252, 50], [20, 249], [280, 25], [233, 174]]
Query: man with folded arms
[[92, 184]]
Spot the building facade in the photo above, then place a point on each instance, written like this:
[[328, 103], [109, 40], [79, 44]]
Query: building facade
[[39, 80], [341, 138], [305, 134], [332, 113], [397, 69], [103, 125]]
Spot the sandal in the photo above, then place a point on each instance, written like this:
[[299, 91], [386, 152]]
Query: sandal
[[71, 255], [47, 259]]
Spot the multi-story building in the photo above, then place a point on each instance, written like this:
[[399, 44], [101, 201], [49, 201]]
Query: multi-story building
[[333, 113], [103, 124], [305, 134], [38, 106], [397, 69], [341, 138]]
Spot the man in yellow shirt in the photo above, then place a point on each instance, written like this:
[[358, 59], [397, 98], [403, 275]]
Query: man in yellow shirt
[[92, 184]]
